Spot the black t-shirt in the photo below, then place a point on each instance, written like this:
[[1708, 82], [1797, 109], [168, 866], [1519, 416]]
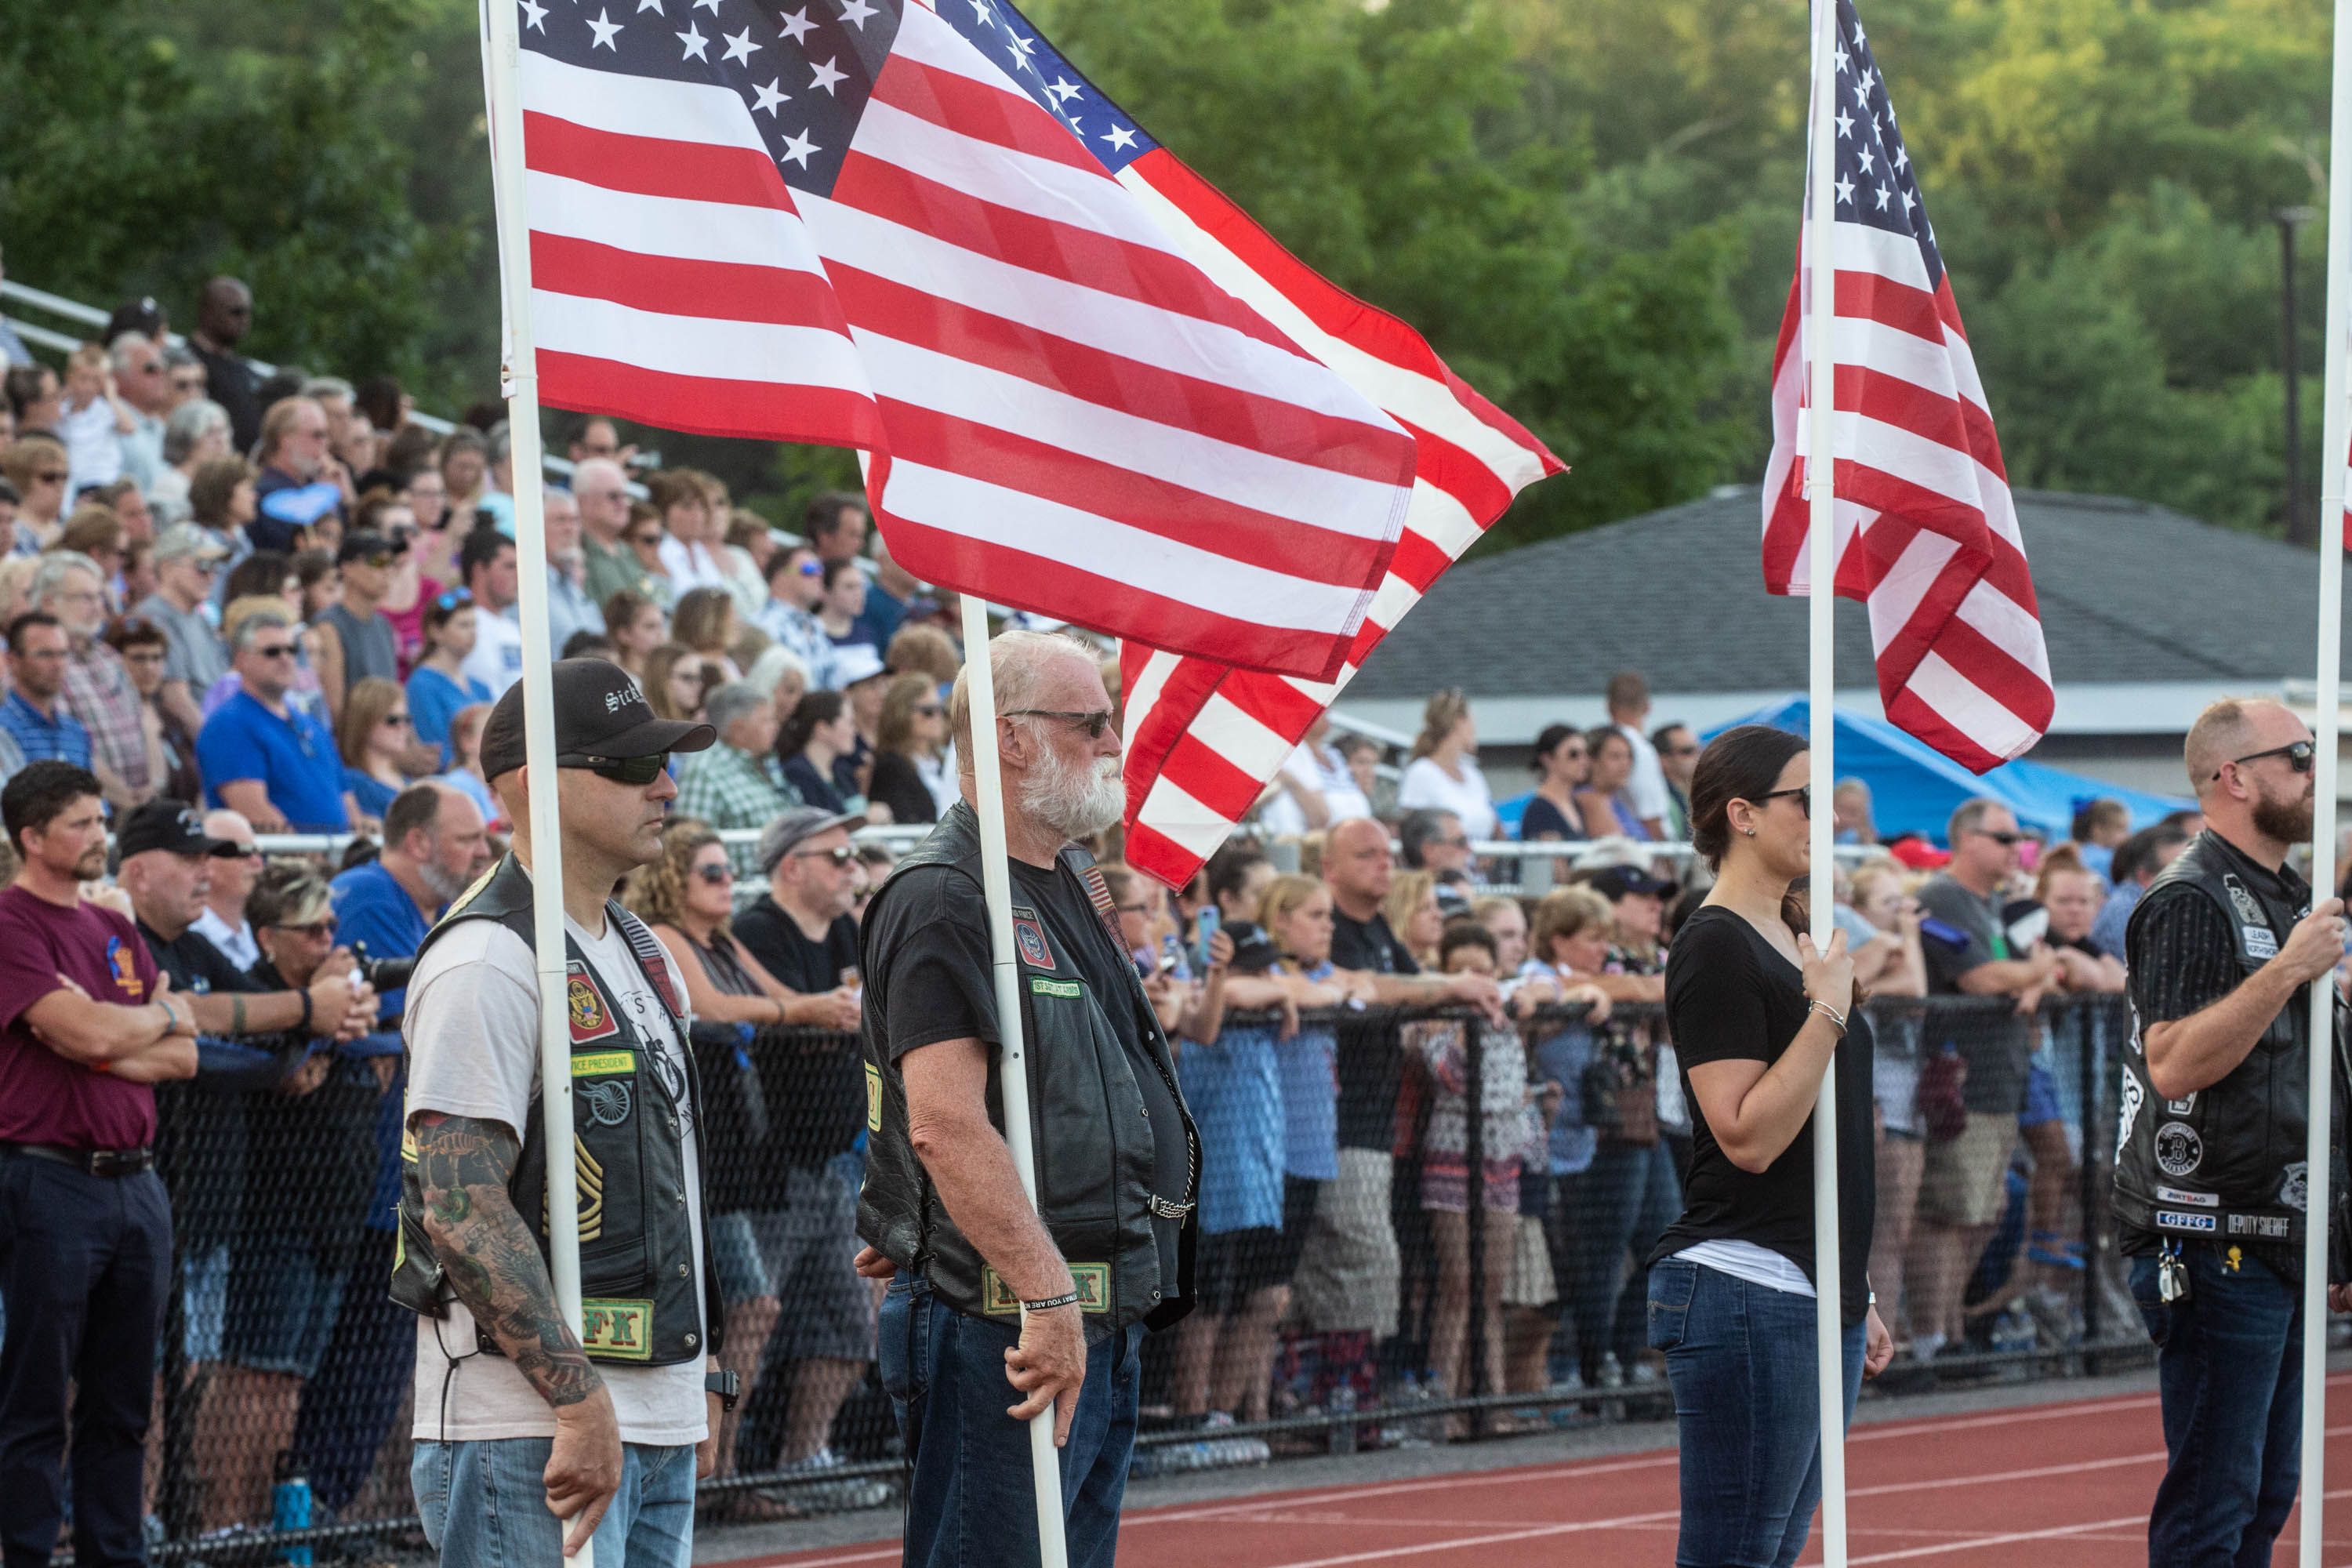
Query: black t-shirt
[[1542, 819], [229, 380], [931, 980], [896, 785], [1372, 1054], [814, 1093], [196, 965], [1731, 994]]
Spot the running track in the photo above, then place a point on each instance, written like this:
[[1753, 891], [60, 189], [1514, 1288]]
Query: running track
[[2058, 1486]]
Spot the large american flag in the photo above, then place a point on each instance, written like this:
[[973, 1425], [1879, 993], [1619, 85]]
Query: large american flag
[[918, 232], [1926, 534]]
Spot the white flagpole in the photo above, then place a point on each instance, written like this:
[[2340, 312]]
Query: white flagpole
[[1821, 492], [996, 878], [503, 77], [2336, 430]]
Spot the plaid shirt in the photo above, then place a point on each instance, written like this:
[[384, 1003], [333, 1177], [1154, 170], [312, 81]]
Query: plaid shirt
[[729, 787], [98, 692]]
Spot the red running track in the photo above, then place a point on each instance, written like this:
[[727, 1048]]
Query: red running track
[[2057, 1486]]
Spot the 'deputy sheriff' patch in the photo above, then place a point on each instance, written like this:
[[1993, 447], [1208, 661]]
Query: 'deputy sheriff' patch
[[591, 1015], [1029, 936]]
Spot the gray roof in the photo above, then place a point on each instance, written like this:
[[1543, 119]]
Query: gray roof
[[2129, 592]]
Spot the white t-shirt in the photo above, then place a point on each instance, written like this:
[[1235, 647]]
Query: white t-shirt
[[692, 566], [1327, 772], [1745, 1260], [497, 658], [1645, 786], [472, 1032], [1427, 786]]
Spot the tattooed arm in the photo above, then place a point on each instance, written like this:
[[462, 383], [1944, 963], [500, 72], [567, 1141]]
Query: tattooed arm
[[463, 1165]]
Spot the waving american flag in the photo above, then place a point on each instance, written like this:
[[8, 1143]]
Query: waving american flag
[[1925, 534]]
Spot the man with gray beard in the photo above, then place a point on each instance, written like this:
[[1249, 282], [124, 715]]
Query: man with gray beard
[[988, 1293], [433, 846]]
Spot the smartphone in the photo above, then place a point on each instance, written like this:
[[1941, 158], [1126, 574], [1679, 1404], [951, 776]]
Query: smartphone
[[1204, 927]]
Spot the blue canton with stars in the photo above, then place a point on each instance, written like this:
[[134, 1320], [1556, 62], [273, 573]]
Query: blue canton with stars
[[1876, 182], [1005, 36], [803, 67]]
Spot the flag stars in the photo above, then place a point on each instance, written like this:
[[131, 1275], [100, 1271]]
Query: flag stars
[[1842, 59], [768, 98], [1844, 123], [534, 15], [1902, 158], [1844, 189], [695, 44], [1022, 48], [855, 13], [826, 76], [1119, 137], [605, 27], [699, 4], [797, 25], [1868, 160], [1063, 90], [798, 149], [985, 11], [1883, 194], [653, 6], [739, 47]]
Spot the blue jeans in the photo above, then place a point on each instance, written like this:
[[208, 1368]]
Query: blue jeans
[[1741, 1359], [971, 1503], [484, 1505], [2228, 1368], [1627, 1198]]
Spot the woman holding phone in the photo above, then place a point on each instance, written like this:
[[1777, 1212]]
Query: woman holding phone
[[1755, 1014]]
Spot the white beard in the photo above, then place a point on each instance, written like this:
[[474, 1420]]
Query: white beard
[[1078, 802]]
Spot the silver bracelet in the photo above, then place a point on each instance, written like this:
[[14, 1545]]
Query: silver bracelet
[[1816, 1004]]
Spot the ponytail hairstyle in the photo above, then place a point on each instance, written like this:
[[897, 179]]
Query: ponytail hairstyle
[[1446, 709], [1743, 764]]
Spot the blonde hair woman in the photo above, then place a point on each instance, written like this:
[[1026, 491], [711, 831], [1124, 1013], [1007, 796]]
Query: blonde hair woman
[[1412, 912], [1443, 773]]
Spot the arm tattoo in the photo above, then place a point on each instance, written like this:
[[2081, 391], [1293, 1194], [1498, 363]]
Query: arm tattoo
[[463, 1165]]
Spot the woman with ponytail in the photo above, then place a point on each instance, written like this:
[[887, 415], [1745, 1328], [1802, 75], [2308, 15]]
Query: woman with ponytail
[[1755, 1014]]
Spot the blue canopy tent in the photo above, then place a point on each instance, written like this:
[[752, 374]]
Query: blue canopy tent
[[1914, 787]]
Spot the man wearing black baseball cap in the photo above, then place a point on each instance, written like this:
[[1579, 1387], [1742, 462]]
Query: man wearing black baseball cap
[[598, 1426]]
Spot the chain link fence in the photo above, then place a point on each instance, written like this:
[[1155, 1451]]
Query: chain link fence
[[1415, 1227]]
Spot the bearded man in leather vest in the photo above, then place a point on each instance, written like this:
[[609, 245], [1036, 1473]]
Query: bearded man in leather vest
[[993, 1302], [2212, 1182]]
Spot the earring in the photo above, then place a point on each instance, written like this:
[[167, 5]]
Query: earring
[[1749, 831]]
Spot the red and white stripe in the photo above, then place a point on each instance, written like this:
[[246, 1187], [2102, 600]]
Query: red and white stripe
[[1926, 536], [1067, 409], [1202, 737]]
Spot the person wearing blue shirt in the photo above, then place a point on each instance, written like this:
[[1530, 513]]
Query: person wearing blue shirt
[[264, 757], [438, 686], [35, 715]]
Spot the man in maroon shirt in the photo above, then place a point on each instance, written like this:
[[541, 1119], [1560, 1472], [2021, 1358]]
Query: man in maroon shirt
[[87, 1026]]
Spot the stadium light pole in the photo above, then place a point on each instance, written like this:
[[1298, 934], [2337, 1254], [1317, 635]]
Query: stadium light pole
[[2328, 533], [502, 88], [2291, 370], [1821, 494]]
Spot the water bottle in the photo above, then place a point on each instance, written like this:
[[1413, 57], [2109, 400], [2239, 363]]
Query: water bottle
[[289, 1506], [1343, 1435]]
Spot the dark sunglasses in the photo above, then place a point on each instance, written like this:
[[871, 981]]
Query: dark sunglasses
[[1093, 723], [316, 930], [397, 721], [281, 650], [380, 559], [714, 875], [235, 852], [1803, 797], [840, 855], [2006, 840], [454, 599], [2298, 756], [635, 772]]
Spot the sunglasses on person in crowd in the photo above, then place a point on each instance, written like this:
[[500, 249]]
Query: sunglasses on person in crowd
[[397, 721], [2006, 840], [714, 874], [2298, 756], [275, 650], [840, 855], [635, 772], [454, 599], [382, 559], [1803, 797], [1094, 723], [313, 931]]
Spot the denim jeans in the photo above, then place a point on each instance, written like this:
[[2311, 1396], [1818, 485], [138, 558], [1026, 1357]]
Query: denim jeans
[[484, 1505], [1741, 1359], [1625, 1199], [971, 1502], [2229, 1372]]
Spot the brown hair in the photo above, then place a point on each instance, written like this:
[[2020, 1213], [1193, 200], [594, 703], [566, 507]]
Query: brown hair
[[656, 893], [925, 649], [92, 529], [895, 730], [702, 619], [211, 487], [1446, 709], [364, 706], [1566, 912]]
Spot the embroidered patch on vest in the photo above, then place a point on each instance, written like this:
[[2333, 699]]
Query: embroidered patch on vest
[[1042, 986], [1092, 1282], [592, 1017], [622, 1330], [1029, 936], [602, 1064], [608, 1102]]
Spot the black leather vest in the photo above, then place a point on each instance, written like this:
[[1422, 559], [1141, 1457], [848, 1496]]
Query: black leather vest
[[1093, 1140], [636, 1249], [2227, 1164]]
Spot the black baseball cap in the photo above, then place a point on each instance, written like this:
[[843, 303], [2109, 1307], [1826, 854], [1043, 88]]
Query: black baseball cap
[[599, 711], [1617, 882], [172, 824], [361, 545]]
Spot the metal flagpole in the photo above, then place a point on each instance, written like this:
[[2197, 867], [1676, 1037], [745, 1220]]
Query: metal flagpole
[[1821, 492], [996, 877], [502, 75], [2337, 430]]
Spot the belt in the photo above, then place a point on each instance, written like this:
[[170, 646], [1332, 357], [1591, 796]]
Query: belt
[[90, 1162]]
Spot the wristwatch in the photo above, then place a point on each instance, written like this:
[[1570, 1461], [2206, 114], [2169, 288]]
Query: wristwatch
[[727, 1386]]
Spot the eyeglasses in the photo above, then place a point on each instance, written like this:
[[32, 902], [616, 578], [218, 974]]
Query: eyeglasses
[[2006, 840], [635, 772], [1803, 797], [2298, 756], [397, 721], [714, 875], [315, 931], [840, 855], [282, 650], [1093, 723], [379, 559], [454, 599]]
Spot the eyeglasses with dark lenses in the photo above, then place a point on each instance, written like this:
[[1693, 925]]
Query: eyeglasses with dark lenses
[[635, 772], [840, 855], [315, 931], [2298, 756], [397, 721], [1094, 723], [715, 874], [2006, 840], [275, 650], [1803, 797]]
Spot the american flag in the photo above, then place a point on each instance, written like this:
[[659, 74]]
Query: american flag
[[1925, 534], [918, 232]]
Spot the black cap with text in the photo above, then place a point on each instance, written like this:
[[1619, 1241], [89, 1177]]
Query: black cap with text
[[599, 711]]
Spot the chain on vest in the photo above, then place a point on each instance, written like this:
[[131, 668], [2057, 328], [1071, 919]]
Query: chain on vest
[[629, 1102]]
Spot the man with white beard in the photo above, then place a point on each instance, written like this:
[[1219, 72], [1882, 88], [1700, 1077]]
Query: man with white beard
[[993, 1300]]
